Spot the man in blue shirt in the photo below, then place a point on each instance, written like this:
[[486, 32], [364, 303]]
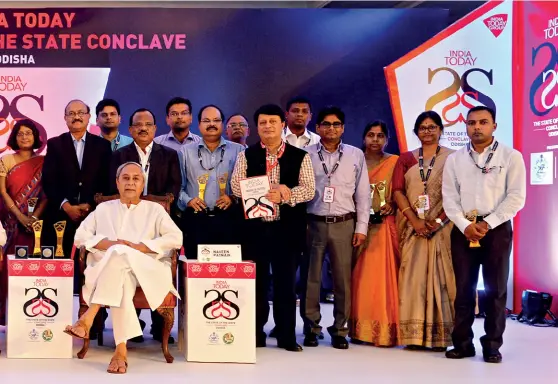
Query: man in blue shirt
[[205, 197], [337, 221], [179, 119], [108, 120]]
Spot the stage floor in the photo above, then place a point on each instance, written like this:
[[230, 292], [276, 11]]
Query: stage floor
[[529, 353]]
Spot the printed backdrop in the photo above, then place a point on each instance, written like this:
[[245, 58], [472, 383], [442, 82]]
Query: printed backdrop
[[237, 59]]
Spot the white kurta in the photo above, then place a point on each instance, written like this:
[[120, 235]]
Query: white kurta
[[111, 276]]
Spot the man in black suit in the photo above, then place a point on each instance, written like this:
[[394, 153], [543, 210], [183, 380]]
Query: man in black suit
[[162, 175], [75, 169]]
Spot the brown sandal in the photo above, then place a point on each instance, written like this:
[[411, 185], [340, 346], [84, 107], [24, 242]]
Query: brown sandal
[[69, 330], [115, 360]]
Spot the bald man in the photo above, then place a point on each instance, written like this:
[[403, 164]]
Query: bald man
[[75, 169]]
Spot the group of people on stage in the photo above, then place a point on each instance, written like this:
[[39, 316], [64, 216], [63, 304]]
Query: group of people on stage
[[405, 235]]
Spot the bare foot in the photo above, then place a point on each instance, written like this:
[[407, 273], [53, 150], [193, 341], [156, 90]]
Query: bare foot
[[118, 364]]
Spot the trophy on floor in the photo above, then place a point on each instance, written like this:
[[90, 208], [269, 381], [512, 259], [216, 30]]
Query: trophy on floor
[[59, 227], [31, 204], [472, 217], [37, 229], [376, 217]]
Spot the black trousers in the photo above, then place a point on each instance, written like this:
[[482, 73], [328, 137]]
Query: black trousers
[[494, 256], [269, 245]]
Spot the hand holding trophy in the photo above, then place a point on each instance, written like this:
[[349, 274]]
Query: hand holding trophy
[[381, 187], [472, 217]]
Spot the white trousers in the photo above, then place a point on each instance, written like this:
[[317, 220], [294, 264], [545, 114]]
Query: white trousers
[[116, 286]]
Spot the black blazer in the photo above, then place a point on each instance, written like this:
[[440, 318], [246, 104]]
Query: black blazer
[[164, 169], [63, 179]]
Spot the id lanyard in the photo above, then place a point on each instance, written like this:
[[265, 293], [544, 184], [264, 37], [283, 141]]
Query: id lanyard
[[484, 168], [270, 165], [328, 175], [216, 165], [421, 166]]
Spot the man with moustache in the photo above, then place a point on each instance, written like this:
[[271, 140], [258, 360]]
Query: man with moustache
[[161, 169], [210, 215], [276, 240], [108, 120], [238, 129], [484, 186], [179, 119], [75, 169]]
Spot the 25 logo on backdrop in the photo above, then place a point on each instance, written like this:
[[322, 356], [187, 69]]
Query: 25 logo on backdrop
[[460, 93], [10, 111], [41, 303], [546, 80]]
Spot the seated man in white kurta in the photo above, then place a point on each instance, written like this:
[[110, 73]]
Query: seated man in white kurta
[[130, 241]]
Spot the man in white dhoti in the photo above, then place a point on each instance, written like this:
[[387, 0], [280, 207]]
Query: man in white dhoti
[[129, 241]]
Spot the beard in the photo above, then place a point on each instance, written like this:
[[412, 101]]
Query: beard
[[180, 128]]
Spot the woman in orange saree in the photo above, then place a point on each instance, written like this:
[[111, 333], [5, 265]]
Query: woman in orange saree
[[426, 278], [20, 181], [375, 302]]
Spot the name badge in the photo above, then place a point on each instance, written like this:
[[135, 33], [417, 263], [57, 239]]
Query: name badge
[[424, 202], [329, 193]]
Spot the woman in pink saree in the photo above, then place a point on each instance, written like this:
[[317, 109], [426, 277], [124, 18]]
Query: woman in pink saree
[[20, 181], [426, 278]]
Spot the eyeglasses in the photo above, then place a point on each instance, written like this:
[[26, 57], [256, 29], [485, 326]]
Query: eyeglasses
[[24, 134], [141, 125], [214, 121], [79, 113], [176, 114], [327, 124], [238, 125], [429, 128]]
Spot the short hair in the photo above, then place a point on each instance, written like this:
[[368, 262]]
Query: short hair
[[209, 106], [121, 168], [81, 101], [269, 109], [428, 115], [12, 140], [376, 123], [236, 114], [178, 100], [483, 108], [107, 103], [141, 110], [331, 110], [298, 100]]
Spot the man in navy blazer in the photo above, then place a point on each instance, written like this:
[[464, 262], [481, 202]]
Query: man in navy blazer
[[75, 169]]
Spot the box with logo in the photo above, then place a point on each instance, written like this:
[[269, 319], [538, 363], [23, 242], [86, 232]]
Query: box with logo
[[40, 305], [220, 312]]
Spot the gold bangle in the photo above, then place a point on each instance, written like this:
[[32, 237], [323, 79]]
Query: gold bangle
[[405, 209], [10, 207]]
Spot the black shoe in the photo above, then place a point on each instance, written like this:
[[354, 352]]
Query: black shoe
[[321, 336], [139, 339], [339, 342], [459, 353], [311, 340], [439, 349], [291, 347], [356, 341], [492, 356]]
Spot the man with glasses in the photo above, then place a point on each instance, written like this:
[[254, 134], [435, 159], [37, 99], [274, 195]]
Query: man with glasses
[[108, 120], [179, 119], [161, 169], [337, 221], [75, 169], [238, 129], [209, 211]]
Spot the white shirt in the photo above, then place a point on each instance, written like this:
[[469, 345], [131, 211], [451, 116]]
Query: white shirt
[[144, 161], [305, 140], [500, 194]]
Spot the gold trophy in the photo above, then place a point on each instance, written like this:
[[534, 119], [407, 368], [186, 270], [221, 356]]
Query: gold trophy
[[223, 183], [37, 229], [420, 206], [376, 217], [472, 217], [59, 227], [381, 187], [31, 204], [202, 183]]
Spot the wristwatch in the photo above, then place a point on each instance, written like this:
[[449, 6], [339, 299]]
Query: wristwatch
[[439, 221]]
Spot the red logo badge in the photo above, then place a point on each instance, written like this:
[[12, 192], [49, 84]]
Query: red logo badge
[[213, 269], [50, 268], [17, 268], [248, 270], [195, 269], [34, 268], [496, 23], [67, 268], [230, 269]]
